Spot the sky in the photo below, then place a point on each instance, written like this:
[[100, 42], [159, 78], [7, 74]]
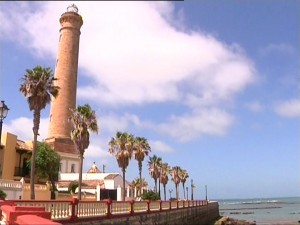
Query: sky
[[212, 85]]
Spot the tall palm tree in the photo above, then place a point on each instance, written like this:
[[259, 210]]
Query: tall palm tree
[[154, 169], [141, 149], [84, 120], [121, 147], [175, 178], [183, 175], [165, 170], [38, 87]]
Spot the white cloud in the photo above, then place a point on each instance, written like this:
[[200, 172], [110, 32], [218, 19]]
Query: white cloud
[[159, 146], [254, 106], [196, 124], [133, 54], [272, 48], [112, 123], [289, 108], [22, 127], [138, 53]]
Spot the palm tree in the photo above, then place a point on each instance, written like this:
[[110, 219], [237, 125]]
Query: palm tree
[[122, 148], [38, 87], [183, 175], [165, 170], [83, 119], [175, 178], [141, 149], [154, 169]]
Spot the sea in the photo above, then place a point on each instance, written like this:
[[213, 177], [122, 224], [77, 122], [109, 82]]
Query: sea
[[264, 211]]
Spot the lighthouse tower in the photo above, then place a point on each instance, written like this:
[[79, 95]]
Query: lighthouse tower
[[66, 74]]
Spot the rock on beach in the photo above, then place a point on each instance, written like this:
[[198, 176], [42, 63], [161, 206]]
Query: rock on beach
[[231, 221]]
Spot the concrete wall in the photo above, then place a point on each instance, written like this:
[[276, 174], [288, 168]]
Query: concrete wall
[[8, 157], [201, 215]]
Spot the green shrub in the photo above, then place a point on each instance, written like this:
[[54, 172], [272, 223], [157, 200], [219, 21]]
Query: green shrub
[[150, 195], [72, 186], [2, 194]]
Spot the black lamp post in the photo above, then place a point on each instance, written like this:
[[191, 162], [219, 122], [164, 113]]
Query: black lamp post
[[187, 193], [192, 190], [3, 113], [170, 191]]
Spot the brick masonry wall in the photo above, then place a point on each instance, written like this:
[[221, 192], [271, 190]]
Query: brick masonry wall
[[66, 74]]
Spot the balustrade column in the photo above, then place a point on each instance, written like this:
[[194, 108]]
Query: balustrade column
[[148, 206], [108, 208], [132, 207], [74, 205]]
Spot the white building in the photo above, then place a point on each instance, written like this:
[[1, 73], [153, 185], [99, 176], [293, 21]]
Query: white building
[[103, 185]]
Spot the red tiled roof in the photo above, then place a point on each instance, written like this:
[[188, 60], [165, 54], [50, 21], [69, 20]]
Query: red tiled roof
[[111, 176], [85, 183], [24, 145]]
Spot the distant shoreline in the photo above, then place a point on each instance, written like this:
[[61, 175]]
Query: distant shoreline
[[267, 211], [266, 207]]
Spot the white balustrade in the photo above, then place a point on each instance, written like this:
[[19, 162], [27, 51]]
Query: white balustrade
[[120, 207], [165, 205], [62, 210], [180, 204], [59, 209], [173, 204], [92, 209], [140, 207], [154, 205], [10, 184]]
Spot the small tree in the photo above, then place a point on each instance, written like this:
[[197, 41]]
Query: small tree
[[47, 165], [72, 186], [2, 194]]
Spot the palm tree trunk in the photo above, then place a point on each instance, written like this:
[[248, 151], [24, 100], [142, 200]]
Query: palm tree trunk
[[123, 170], [52, 189], [36, 123], [159, 188], [80, 177], [141, 182], [183, 190], [165, 192], [176, 188], [155, 185], [32, 172]]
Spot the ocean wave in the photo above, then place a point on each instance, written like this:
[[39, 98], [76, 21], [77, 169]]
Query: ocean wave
[[249, 202], [260, 202]]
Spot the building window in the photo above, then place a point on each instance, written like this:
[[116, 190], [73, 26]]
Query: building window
[[60, 165], [72, 168]]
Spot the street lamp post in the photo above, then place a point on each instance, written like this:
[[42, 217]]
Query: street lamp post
[[192, 190], [170, 191], [3, 113], [187, 193]]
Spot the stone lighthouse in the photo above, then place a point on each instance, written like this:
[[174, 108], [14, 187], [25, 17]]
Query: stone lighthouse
[[66, 73]]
